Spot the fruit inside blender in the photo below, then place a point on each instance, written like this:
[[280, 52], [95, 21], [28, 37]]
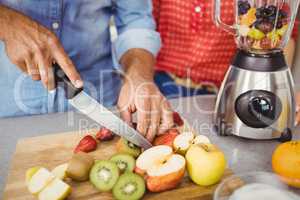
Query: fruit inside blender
[[262, 24]]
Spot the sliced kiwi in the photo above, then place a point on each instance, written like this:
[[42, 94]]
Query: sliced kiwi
[[124, 146], [125, 162], [130, 186], [104, 174]]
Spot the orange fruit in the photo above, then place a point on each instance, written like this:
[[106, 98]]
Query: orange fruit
[[286, 162]]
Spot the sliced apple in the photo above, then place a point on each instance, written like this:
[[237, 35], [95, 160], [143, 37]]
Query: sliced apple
[[60, 171], [143, 163], [55, 190], [30, 172], [182, 142], [201, 139], [40, 179], [162, 168]]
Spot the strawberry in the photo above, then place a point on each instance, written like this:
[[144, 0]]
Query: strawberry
[[104, 134], [86, 144], [177, 119]]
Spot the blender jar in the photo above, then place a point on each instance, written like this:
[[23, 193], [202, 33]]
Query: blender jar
[[262, 26]]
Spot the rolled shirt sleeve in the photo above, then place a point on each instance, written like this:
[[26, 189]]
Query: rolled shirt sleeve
[[136, 28]]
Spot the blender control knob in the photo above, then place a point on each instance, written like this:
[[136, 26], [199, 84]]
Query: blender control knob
[[261, 107], [258, 108]]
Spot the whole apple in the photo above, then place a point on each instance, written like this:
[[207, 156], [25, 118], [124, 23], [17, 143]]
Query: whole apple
[[205, 164]]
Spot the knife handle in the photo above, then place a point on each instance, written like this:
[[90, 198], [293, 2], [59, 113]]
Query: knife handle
[[61, 80]]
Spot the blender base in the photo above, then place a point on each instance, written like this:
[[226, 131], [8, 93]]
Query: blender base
[[256, 104]]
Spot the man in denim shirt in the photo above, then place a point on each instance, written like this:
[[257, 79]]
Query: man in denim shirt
[[75, 34]]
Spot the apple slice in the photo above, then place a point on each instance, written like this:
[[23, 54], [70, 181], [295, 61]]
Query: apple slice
[[166, 175], [56, 190], [60, 171], [151, 157], [40, 179], [162, 168], [201, 139], [182, 142], [30, 172]]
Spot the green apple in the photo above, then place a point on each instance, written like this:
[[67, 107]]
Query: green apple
[[205, 164], [60, 171], [39, 180], [55, 190]]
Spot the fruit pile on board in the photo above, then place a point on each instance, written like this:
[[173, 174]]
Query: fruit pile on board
[[131, 171], [262, 28]]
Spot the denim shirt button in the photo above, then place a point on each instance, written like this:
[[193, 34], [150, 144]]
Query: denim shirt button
[[55, 25]]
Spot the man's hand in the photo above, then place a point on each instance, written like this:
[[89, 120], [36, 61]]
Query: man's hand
[[140, 94], [33, 48]]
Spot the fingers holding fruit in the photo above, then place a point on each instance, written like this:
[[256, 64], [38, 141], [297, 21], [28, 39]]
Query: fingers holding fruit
[[167, 118], [154, 114], [155, 118]]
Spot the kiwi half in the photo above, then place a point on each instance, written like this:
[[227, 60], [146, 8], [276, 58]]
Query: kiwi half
[[130, 186], [124, 146], [104, 174], [125, 162]]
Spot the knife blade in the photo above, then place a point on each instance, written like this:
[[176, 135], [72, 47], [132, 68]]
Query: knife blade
[[97, 112]]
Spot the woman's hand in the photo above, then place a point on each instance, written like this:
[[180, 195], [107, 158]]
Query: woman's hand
[[33, 48]]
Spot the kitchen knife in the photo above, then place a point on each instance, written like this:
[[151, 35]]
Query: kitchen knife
[[97, 112]]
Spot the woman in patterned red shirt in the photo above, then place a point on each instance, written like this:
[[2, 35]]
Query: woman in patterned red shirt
[[195, 53]]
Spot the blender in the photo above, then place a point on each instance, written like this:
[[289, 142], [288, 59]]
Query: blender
[[256, 98]]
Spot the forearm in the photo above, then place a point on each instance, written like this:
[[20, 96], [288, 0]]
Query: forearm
[[138, 63], [4, 18], [289, 52]]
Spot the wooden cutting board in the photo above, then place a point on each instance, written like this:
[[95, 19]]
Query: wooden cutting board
[[52, 150]]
